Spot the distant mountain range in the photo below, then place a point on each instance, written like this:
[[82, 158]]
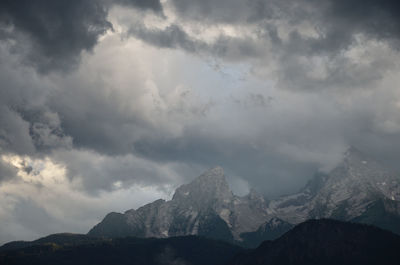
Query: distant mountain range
[[313, 242], [359, 189], [205, 223]]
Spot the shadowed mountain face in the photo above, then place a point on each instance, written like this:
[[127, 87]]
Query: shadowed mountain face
[[358, 189], [326, 242]]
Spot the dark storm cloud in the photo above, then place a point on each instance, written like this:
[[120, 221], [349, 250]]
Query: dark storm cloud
[[58, 30], [52, 34], [378, 18], [339, 17], [27, 125]]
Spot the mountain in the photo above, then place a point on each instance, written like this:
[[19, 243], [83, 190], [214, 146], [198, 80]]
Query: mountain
[[204, 207], [150, 251], [359, 189], [326, 242]]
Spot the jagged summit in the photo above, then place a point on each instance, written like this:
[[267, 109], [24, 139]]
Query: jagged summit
[[211, 185], [213, 177], [363, 171], [353, 151], [216, 171], [354, 157]]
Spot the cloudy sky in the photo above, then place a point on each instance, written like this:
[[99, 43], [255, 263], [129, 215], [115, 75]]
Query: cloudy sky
[[109, 104]]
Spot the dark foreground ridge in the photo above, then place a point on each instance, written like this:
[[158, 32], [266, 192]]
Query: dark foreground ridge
[[319, 242], [327, 242], [144, 251]]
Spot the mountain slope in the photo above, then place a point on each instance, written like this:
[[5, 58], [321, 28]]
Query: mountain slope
[[326, 242]]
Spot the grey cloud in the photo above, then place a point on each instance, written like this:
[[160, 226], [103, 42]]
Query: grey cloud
[[340, 18], [379, 18], [7, 172], [99, 173], [14, 134], [58, 30], [153, 5], [27, 125], [51, 35], [171, 37], [227, 11], [337, 26], [175, 37], [261, 160]]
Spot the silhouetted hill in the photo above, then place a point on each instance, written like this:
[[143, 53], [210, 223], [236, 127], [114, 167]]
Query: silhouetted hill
[[326, 242], [62, 239], [147, 251]]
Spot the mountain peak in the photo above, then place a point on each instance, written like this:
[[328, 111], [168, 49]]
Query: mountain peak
[[354, 153], [216, 172], [213, 176], [360, 163], [208, 186]]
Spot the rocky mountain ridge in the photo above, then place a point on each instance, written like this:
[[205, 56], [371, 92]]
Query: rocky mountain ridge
[[359, 189], [206, 207]]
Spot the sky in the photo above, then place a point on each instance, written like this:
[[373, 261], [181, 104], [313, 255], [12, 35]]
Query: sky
[[106, 105]]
